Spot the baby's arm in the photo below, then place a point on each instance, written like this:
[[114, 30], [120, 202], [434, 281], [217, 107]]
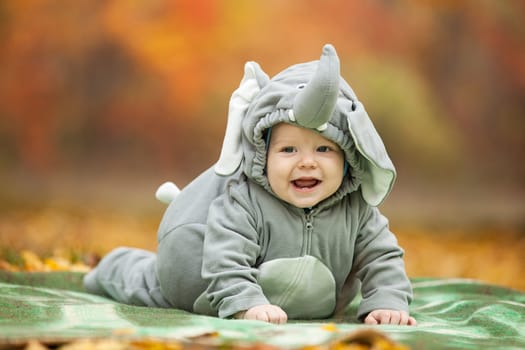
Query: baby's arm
[[390, 317], [378, 264], [267, 313]]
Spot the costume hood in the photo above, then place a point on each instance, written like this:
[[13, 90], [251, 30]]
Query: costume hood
[[312, 95]]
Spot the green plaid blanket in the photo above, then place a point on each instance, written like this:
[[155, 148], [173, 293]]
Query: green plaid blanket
[[451, 314]]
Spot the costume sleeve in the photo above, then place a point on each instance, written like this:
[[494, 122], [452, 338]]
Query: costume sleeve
[[230, 252], [379, 266]]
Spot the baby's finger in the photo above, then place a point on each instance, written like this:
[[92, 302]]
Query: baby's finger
[[403, 320], [282, 317], [384, 317], [412, 321], [370, 319], [277, 315], [262, 316], [395, 317]]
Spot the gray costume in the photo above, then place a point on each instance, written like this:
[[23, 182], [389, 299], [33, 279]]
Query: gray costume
[[227, 243]]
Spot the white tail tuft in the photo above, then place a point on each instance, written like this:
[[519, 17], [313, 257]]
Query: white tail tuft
[[167, 192]]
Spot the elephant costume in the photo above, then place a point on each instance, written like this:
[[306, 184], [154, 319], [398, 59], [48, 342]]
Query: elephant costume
[[227, 243]]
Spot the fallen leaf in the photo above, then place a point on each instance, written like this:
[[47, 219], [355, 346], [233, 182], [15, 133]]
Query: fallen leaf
[[366, 339]]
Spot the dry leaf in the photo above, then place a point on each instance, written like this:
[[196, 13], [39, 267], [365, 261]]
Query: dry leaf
[[35, 345], [95, 344], [366, 339], [4, 265], [32, 262]]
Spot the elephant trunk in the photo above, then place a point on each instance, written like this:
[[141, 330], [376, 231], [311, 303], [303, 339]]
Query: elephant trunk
[[314, 105]]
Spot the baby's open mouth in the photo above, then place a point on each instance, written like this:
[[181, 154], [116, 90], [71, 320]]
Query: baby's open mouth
[[306, 182]]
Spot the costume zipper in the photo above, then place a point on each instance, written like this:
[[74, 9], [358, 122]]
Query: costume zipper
[[308, 228]]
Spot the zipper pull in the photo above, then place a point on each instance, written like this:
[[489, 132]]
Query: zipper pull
[[309, 229], [309, 224]]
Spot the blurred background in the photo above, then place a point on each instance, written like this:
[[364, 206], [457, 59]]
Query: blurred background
[[102, 101]]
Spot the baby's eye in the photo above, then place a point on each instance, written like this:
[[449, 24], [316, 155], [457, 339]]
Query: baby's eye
[[324, 149], [288, 149]]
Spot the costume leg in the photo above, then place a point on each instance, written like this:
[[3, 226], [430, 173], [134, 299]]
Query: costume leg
[[179, 265], [129, 276]]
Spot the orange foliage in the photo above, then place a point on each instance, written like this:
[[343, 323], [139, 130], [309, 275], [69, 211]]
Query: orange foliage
[[92, 75], [57, 239], [365, 339], [494, 256], [105, 81], [32, 263]]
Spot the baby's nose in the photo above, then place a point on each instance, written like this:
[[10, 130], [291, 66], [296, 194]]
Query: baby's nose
[[308, 161]]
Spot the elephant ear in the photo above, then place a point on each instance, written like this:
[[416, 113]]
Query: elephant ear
[[379, 171], [231, 153]]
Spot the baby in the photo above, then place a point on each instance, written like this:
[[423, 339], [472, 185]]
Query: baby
[[285, 225]]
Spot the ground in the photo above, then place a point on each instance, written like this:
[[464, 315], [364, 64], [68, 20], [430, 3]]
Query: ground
[[66, 235]]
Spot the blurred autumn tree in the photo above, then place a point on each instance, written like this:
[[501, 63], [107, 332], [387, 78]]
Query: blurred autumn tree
[[144, 85]]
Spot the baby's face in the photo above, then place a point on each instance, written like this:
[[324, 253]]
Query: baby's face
[[303, 168]]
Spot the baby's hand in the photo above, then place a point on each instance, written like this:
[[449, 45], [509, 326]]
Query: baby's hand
[[390, 317], [266, 313]]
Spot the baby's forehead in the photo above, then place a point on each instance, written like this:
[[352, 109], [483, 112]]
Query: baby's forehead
[[291, 132]]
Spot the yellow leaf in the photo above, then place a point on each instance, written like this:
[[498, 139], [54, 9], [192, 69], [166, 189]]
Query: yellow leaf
[[329, 327], [366, 339], [35, 345], [4, 265], [32, 262], [57, 264]]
